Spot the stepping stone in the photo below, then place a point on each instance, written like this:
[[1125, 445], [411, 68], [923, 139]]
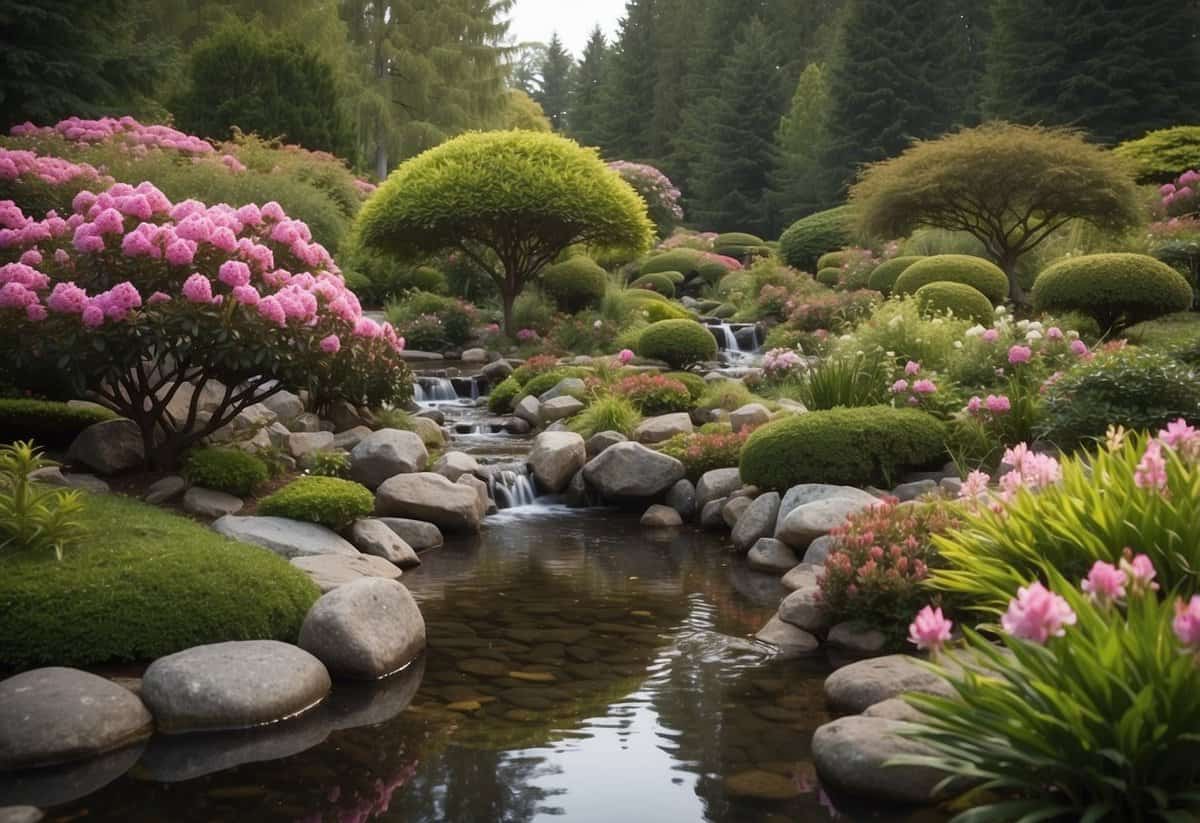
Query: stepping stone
[[289, 538], [329, 571], [210, 503]]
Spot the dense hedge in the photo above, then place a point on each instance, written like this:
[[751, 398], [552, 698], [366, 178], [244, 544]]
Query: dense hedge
[[857, 447], [687, 261], [328, 501], [575, 284], [679, 343], [981, 274], [1159, 156], [883, 278], [803, 243], [658, 282], [962, 300], [829, 276], [831, 260], [228, 470], [1112, 287], [45, 422], [739, 245]]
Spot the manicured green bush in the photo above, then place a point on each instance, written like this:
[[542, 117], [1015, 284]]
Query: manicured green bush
[[739, 245], [1161, 155], [45, 422], [713, 267], [976, 272], [832, 260], [679, 343], [676, 277], [738, 281], [502, 395], [957, 298], [1112, 288], [228, 470], [575, 284], [329, 501], [653, 306], [829, 277], [883, 278], [149, 583], [695, 383], [856, 447], [1172, 331], [803, 243], [658, 283], [687, 261]]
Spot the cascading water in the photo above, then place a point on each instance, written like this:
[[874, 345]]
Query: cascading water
[[435, 390], [727, 340], [511, 488]]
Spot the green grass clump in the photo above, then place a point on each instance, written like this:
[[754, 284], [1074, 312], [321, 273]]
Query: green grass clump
[[607, 413], [46, 422], [228, 470], [144, 583], [328, 501]]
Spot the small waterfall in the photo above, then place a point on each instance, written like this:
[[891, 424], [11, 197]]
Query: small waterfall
[[726, 339], [511, 488], [466, 388], [435, 390]]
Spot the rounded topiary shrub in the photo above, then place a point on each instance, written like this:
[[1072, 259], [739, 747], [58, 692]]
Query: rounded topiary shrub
[[829, 276], [1112, 288], [502, 395], [832, 260], [658, 282], [45, 422], [739, 245], [695, 383], [883, 278], [846, 446], [679, 343], [724, 311], [675, 277], [976, 272], [959, 299], [687, 261], [803, 243], [575, 284], [228, 470], [329, 501]]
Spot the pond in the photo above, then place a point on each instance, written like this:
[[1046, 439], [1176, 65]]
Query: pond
[[579, 668]]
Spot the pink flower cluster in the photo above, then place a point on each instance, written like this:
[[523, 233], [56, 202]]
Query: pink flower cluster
[[994, 405], [1036, 614], [655, 187], [1182, 192], [914, 392], [1179, 438], [1030, 470], [1107, 584], [526, 335], [53, 170], [779, 363], [125, 129], [930, 630]]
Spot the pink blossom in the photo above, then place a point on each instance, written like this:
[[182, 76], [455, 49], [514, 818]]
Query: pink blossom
[[93, 316], [1054, 333], [67, 298], [234, 273], [224, 239], [36, 312], [930, 629], [1141, 572], [246, 295], [1037, 614], [975, 404], [1019, 354], [273, 211], [331, 344], [1178, 435], [990, 336], [61, 257], [625, 355], [198, 289], [900, 386], [271, 309], [368, 328], [16, 296], [912, 367], [924, 387], [1078, 347], [1151, 471], [109, 221], [975, 485], [181, 252], [32, 257], [158, 297], [1187, 622], [998, 404], [1105, 583]]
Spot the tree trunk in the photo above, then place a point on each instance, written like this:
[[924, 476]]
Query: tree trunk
[[381, 160], [508, 299], [1016, 294]]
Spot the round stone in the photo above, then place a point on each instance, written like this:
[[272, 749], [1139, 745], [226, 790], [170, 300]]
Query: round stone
[[365, 629]]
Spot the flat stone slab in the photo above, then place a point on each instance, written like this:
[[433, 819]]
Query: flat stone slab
[[289, 538], [210, 503], [854, 687], [234, 685], [330, 571], [58, 715], [366, 629]]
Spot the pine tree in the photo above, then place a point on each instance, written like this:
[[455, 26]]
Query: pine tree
[[735, 172], [554, 94], [799, 141], [629, 85], [585, 110], [679, 21]]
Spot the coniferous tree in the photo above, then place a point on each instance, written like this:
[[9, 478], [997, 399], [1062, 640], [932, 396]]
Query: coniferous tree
[[679, 22], [585, 110], [629, 87], [799, 141], [557, 66]]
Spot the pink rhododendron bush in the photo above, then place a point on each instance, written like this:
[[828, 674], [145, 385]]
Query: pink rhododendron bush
[[138, 301]]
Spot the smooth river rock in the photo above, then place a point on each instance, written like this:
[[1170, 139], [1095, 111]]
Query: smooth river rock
[[630, 470], [210, 503], [429, 497], [807, 522], [332, 571], [555, 458], [659, 516], [453, 465], [792, 641], [289, 538], [387, 453], [757, 521], [804, 608], [374, 537], [851, 754], [364, 630], [682, 498], [110, 447], [812, 492], [416, 533], [861, 684], [751, 414], [663, 427], [716, 484], [771, 556]]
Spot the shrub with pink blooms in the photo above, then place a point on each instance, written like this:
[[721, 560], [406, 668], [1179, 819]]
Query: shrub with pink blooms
[[660, 194], [654, 394], [133, 300]]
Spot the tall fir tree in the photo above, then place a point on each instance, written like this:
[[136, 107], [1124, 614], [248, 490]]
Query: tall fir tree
[[629, 98], [798, 142], [585, 110], [679, 21], [553, 96]]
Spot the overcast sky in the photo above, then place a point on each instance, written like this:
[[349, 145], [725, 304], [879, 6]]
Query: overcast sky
[[572, 19]]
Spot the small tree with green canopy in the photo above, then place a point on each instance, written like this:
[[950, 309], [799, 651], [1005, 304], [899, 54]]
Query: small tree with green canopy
[[1009, 186], [510, 201], [1161, 155]]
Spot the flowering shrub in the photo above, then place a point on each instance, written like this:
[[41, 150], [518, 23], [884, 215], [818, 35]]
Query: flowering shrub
[[654, 394], [780, 364], [583, 333], [124, 130], [42, 182], [858, 264], [1180, 197], [919, 388], [660, 194], [538, 364], [898, 331], [132, 298], [705, 451], [432, 322], [833, 310]]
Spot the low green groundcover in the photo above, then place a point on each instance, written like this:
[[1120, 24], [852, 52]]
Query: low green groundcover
[[142, 584]]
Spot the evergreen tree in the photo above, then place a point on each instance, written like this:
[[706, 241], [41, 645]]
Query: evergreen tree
[[799, 141], [735, 172], [553, 96], [585, 110], [679, 21], [629, 87]]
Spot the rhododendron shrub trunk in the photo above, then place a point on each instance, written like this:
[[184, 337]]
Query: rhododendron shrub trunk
[[143, 304]]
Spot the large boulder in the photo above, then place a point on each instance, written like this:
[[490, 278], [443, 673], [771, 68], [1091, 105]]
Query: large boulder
[[555, 458], [682, 498], [429, 430], [374, 537], [600, 441], [330, 571], [854, 687], [285, 404], [289, 538], [857, 637], [809, 521], [710, 515], [529, 409], [734, 508], [567, 387], [791, 641], [429, 497], [630, 470], [560, 408], [302, 444], [812, 492], [110, 447], [483, 500], [416, 533], [365, 629], [805, 609], [57, 715], [819, 550], [348, 439], [751, 414], [771, 556], [757, 521], [662, 428], [233, 685], [387, 453], [180, 404], [804, 575], [454, 464], [496, 371], [852, 754], [715, 484], [164, 489]]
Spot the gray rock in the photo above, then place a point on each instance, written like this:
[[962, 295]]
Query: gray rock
[[771, 556], [374, 537], [682, 498], [365, 629], [791, 641], [20, 814], [529, 410], [482, 499], [894, 708], [710, 515], [58, 715], [430, 432], [345, 416], [602, 440], [560, 408], [555, 458], [254, 418], [454, 464], [308, 423], [915, 489], [716, 483], [819, 549], [429, 497], [567, 387], [48, 476], [289, 538], [387, 453], [851, 754], [515, 425], [178, 407], [350, 438], [803, 608], [302, 444], [110, 447], [658, 516], [210, 503], [751, 414], [809, 521], [952, 486], [165, 489], [733, 510], [416, 533], [854, 687], [287, 406], [233, 685], [663, 428], [630, 470], [811, 492], [756, 522], [57, 785], [475, 355], [496, 372], [857, 638], [278, 434], [805, 575], [89, 483]]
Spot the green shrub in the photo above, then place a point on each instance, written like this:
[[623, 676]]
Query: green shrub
[[713, 267], [695, 383], [687, 261], [544, 382], [608, 413], [654, 394], [981, 274], [228, 470], [845, 381], [659, 283], [726, 395], [653, 307], [455, 319], [150, 583], [1159, 156], [883, 278], [393, 419], [739, 245], [1138, 389], [676, 277], [702, 452], [329, 501], [1112, 288], [1166, 332], [679, 343], [958, 299], [575, 284], [724, 311], [45, 422], [803, 243], [502, 395], [534, 366], [832, 260], [829, 277], [734, 282], [899, 327], [33, 518], [870, 445], [328, 463]]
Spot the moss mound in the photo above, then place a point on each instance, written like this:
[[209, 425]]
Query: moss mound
[[659, 283], [883, 277], [575, 284], [958, 298], [976, 272], [832, 260], [47, 423], [1112, 287], [327, 501], [829, 277], [228, 470], [803, 243], [687, 261], [679, 343]]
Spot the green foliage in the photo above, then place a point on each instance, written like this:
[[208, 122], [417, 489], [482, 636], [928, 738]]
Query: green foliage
[[828, 277], [860, 446], [800, 140], [46, 422], [984, 277], [659, 283], [1138, 389], [575, 284], [883, 278], [1112, 288], [846, 381], [739, 245], [608, 412], [957, 299], [684, 260], [702, 452], [431, 322], [381, 279], [1161, 155], [329, 501], [34, 518], [695, 384], [502, 395], [539, 384], [178, 584], [586, 103], [803, 243], [832, 260], [679, 343], [554, 90], [726, 395], [654, 394], [899, 327], [393, 419], [228, 470], [1170, 331], [328, 463]]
